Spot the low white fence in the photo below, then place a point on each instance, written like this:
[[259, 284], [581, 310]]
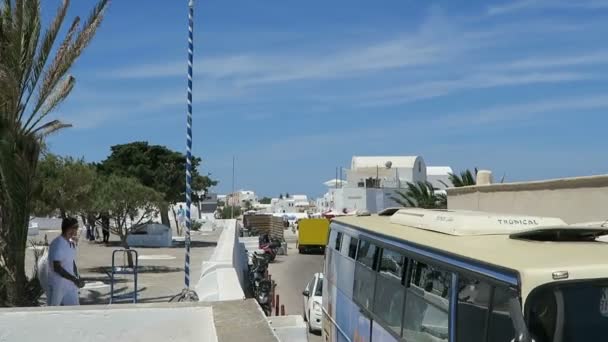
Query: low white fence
[[223, 276]]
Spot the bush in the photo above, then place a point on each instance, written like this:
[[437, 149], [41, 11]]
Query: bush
[[196, 225]]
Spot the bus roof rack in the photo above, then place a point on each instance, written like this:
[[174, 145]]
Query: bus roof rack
[[462, 222]]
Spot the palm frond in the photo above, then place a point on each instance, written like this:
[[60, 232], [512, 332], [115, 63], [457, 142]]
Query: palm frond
[[465, 178], [31, 35], [64, 61], [421, 195], [43, 54], [60, 93], [49, 128]]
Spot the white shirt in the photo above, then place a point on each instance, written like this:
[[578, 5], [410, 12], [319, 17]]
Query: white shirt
[[65, 252]]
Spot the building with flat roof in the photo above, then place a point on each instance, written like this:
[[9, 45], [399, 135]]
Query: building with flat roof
[[371, 182]]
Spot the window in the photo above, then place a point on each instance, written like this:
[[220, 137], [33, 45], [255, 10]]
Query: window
[[319, 288], [389, 296], [338, 241], [391, 264], [475, 299], [352, 248], [427, 304], [473, 303], [365, 276], [500, 327], [367, 254], [345, 244]]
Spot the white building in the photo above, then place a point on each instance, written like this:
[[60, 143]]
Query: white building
[[439, 176], [241, 197], [372, 182], [385, 171], [291, 204]]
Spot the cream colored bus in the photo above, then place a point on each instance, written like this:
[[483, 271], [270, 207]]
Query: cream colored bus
[[423, 275]]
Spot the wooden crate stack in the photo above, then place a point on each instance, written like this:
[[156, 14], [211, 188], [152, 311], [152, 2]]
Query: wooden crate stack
[[265, 224]]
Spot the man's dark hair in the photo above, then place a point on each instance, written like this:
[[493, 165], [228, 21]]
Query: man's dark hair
[[68, 223]]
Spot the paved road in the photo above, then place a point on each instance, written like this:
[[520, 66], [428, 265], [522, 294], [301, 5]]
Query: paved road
[[292, 272]]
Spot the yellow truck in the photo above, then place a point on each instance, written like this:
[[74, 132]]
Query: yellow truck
[[312, 234]]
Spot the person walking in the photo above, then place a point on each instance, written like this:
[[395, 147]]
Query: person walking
[[181, 219], [64, 280]]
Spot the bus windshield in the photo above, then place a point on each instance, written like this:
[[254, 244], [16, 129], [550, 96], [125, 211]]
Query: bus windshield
[[569, 312]]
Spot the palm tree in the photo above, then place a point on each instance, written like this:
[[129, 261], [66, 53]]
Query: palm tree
[[466, 178], [421, 195], [33, 82]]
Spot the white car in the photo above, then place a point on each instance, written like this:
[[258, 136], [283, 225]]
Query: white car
[[313, 296]]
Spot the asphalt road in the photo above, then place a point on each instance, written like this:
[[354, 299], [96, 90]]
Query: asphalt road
[[292, 272]]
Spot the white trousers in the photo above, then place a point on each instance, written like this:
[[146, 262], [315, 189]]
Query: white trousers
[[62, 294]]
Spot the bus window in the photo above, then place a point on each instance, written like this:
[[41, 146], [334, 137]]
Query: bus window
[[472, 313], [368, 254], [338, 241], [345, 244], [388, 301], [500, 327], [365, 275], [427, 304], [352, 248]]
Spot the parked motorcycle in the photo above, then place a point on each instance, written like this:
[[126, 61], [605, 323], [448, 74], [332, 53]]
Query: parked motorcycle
[[263, 296], [258, 271], [269, 246]]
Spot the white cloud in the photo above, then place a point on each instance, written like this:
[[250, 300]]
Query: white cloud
[[556, 61], [437, 40], [574, 106], [524, 5], [480, 80]]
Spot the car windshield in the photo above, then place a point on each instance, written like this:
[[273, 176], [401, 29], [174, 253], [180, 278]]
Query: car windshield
[[574, 312], [319, 288]]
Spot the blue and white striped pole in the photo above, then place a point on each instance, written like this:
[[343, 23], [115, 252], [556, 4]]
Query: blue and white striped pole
[[189, 141]]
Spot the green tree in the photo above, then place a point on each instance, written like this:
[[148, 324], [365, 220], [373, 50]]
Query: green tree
[[420, 195], [231, 212], [64, 184], [248, 205], [266, 200], [127, 203], [159, 168], [34, 80]]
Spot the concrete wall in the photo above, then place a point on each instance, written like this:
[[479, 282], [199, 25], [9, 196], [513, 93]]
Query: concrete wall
[[574, 200], [223, 276], [133, 323]]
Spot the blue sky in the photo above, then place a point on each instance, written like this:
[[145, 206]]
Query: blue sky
[[293, 89]]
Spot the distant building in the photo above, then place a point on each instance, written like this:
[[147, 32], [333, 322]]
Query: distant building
[[372, 182], [439, 176], [291, 204], [209, 203], [385, 172], [241, 197]]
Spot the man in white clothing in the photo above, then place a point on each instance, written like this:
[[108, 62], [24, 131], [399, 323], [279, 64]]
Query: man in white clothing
[[63, 274]]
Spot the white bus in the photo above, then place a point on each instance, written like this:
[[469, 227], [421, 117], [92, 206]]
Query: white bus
[[424, 275]]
